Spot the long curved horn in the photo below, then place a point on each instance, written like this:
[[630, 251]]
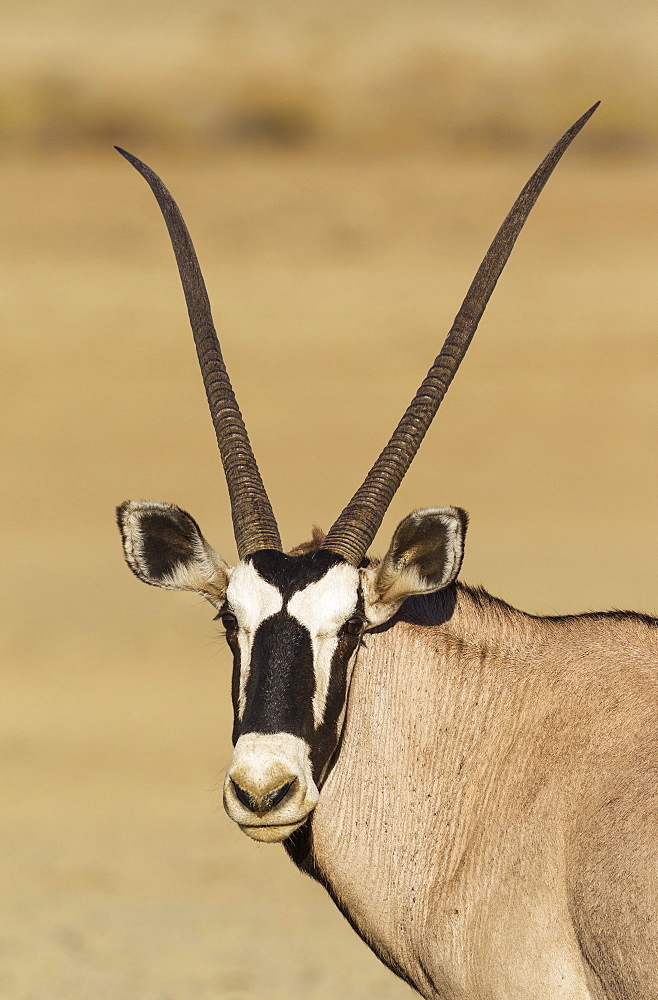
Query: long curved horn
[[356, 527], [253, 520]]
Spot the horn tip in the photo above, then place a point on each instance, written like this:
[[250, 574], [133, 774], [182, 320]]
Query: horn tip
[[135, 161]]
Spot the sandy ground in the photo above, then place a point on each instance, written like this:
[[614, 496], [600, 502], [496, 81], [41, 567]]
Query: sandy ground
[[334, 281]]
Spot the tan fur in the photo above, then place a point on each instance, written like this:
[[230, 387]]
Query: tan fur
[[490, 823], [316, 540]]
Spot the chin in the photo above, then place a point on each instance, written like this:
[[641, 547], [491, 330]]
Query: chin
[[270, 834]]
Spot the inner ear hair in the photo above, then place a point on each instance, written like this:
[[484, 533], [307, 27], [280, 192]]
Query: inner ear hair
[[425, 554], [164, 547]]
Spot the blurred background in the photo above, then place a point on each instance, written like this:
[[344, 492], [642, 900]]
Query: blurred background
[[342, 167]]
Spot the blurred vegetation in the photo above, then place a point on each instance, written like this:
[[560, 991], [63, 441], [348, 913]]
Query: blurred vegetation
[[345, 75]]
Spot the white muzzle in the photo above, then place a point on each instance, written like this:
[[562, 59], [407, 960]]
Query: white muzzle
[[269, 789]]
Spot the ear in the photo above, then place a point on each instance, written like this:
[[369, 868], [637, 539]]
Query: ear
[[425, 555], [164, 547]]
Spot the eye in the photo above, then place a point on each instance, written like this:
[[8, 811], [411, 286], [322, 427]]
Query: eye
[[227, 618], [353, 626]]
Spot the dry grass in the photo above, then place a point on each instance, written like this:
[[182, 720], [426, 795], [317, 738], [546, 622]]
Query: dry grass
[[335, 276], [361, 76]]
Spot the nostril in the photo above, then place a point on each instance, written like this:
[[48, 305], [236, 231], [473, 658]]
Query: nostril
[[262, 803], [247, 800], [279, 795]]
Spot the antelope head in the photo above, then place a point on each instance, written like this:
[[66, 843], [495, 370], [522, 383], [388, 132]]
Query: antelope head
[[294, 622]]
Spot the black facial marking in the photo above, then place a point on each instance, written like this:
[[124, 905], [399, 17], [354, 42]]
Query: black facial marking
[[232, 640], [281, 682], [328, 734], [291, 573]]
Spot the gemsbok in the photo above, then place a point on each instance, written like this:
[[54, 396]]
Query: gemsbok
[[476, 787]]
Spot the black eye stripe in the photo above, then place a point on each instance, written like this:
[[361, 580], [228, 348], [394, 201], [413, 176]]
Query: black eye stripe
[[327, 735]]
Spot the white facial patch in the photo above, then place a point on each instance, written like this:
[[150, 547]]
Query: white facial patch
[[252, 599], [323, 607]]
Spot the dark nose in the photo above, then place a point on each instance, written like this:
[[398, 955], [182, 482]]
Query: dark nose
[[266, 802]]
